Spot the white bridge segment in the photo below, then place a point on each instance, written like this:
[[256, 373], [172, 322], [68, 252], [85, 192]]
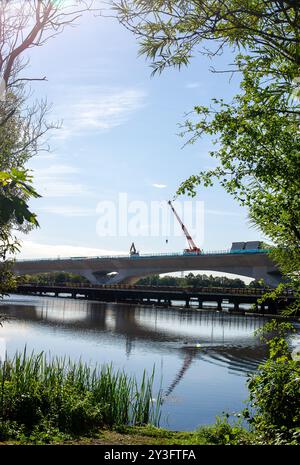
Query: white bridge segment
[[126, 269]]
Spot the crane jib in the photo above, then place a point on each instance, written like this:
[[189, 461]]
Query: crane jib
[[191, 243]]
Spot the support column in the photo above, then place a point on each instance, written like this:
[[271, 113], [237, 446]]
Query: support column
[[272, 307]]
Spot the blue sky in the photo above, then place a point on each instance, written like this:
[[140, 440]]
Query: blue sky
[[119, 135]]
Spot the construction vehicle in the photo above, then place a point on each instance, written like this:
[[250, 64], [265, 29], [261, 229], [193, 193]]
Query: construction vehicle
[[193, 249], [133, 252]]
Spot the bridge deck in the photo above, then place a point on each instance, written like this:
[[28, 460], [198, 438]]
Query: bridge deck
[[256, 292], [256, 264]]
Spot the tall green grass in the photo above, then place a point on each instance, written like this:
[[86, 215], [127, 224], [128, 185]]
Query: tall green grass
[[72, 397]]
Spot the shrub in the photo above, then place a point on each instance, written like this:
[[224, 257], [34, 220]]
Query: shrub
[[222, 432], [275, 391]]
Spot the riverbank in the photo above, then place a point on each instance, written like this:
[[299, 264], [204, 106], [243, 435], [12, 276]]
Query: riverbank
[[220, 433], [54, 401]]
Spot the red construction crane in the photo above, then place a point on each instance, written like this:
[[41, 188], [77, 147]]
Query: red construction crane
[[192, 246]]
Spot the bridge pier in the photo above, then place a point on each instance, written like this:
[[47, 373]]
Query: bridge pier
[[236, 306], [262, 307], [187, 302]]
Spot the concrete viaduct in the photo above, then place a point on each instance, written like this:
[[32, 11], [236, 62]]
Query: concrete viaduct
[[255, 264]]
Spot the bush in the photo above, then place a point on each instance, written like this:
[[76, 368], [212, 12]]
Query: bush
[[275, 394], [275, 391], [222, 432]]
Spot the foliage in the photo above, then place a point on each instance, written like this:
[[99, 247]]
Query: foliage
[[257, 133], [38, 395], [7, 278], [224, 433], [170, 32], [258, 151], [288, 260], [22, 127], [258, 154], [25, 25], [56, 277], [15, 190], [192, 280], [18, 141], [15, 186], [275, 391]]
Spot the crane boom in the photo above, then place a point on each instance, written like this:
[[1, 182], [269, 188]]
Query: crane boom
[[191, 243]]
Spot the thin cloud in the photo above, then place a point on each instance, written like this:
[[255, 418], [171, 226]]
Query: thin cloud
[[159, 186], [221, 213], [192, 85], [31, 249], [58, 169], [97, 110], [68, 211], [59, 181]]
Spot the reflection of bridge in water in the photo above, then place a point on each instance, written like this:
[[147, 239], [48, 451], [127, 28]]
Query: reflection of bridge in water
[[217, 337]]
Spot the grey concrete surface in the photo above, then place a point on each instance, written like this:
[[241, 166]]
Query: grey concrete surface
[[130, 269]]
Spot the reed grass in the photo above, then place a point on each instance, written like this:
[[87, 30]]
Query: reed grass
[[72, 397]]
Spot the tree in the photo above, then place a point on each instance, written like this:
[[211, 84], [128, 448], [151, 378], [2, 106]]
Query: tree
[[20, 133], [14, 189], [23, 25], [27, 24], [257, 133], [170, 31], [258, 153], [259, 160], [274, 412]]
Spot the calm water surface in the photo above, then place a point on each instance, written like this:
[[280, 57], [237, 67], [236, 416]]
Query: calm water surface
[[198, 382]]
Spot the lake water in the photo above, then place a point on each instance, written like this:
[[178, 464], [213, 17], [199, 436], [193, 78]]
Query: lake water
[[202, 357]]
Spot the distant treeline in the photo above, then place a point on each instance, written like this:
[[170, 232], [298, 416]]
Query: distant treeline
[[199, 280], [191, 280], [57, 277]]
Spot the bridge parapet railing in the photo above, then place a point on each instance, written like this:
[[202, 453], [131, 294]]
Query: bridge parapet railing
[[150, 255]]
